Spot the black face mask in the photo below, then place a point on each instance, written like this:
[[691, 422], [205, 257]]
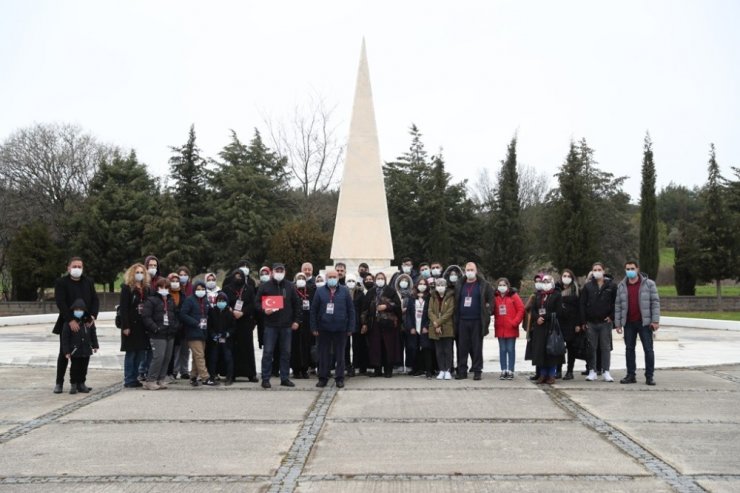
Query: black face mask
[[368, 284], [239, 281]]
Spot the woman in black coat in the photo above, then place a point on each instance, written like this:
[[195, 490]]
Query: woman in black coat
[[570, 316], [381, 321], [547, 303], [134, 339], [241, 291]]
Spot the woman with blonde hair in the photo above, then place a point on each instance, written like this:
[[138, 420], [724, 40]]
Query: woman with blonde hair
[[134, 339]]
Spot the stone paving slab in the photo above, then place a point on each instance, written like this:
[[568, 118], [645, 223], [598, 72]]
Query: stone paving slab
[[690, 448], [29, 378], [666, 380], [136, 487], [731, 486], [232, 405], [479, 403], [405, 382], [676, 406], [639, 485], [148, 449], [465, 448]]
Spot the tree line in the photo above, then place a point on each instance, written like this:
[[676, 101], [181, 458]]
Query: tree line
[[63, 193]]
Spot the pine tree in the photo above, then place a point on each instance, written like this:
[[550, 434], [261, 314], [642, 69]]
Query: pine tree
[[686, 257], [716, 241], [439, 243], [649, 248], [166, 235], [506, 255], [34, 260]]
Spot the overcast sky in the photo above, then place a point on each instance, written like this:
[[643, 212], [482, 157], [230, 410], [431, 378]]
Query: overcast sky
[[469, 74]]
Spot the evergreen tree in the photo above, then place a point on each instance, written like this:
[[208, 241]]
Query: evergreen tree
[[109, 228], [733, 203], [252, 200], [297, 241], [190, 179], [649, 248], [35, 261], [716, 241], [166, 235], [686, 258], [506, 253], [439, 243]]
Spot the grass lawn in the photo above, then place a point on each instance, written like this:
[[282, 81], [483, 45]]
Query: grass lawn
[[712, 315], [667, 257], [702, 290]]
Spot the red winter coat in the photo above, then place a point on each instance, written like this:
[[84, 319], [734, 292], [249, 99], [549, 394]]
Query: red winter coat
[[508, 314]]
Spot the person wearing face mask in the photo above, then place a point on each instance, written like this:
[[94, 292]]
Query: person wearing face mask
[[152, 267], [381, 318], [474, 298], [425, 271], [72, 286], [79, 345], [361, 299], [598, 298], [529, 321], [362, 270], [570, 317], [307, 270], [352, 349], [547, 304], [220, 332], [134, 340], [406, 267], [418, 346], [442, 325], [212, 288], [341, 269], [320, 281], [265, 274], [637, 310], [332, 321], [194, 317], [301, 340], [178, 364], [436, 274], [452, 275], [161, 324], [404, 287], [279, 322], [186, 284], [241, 293], [508, 313]]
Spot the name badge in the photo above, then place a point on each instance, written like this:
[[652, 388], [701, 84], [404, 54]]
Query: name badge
[[502, 309], [203, 323], [468, 302], [330, 308], [222, 340], [166, 320], [238, 305], [306, 305], [542, 312]]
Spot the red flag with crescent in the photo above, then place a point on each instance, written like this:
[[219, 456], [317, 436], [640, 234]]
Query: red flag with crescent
[[272, 302]]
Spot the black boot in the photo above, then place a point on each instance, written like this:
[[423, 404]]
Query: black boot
[[58, 388]]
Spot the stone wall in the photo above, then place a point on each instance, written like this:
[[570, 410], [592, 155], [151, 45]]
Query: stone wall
[[108, 302], [698, 303]]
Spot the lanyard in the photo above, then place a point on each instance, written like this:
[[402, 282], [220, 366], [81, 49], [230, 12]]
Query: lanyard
[[303, 293], [202, 308], [331, 296], [165, 304], [470, 289], [239, 294]]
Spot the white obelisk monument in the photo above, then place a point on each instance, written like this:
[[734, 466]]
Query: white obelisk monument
[[362, 231]]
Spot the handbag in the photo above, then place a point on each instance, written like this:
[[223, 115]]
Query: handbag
[[582, 348], [555, 340]]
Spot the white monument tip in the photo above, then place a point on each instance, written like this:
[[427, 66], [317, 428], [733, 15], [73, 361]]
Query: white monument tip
[[362, 231]]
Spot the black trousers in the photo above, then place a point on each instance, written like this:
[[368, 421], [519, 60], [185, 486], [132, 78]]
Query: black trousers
[[78, 372], [327, 340], [61, 363], [470, 343]]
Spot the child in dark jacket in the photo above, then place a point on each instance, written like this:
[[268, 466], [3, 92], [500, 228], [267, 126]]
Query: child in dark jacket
[[220, 332], [79, 346]]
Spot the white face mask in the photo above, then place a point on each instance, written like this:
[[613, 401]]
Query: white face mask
[[200, 293], [453, 278], [278, 276], [598, 274], [320, 284], [440, 289], [163, 292], [264, 278], [152, 272], [503, 289], [436, 272], [351, 284], [422, 288], [406, 269], [301, 283], [403, 284], [138, 277], [567, 280], [184, 279], [380, 282], [538, 286], [75, 272], [547, 286], [174, 286], [470, 274], [245, 271], [211, 284]]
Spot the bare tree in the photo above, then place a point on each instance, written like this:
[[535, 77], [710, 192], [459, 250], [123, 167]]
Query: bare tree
[[308, 140], [533, 186]]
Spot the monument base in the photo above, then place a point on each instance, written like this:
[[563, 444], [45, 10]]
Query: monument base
[[375, 265]]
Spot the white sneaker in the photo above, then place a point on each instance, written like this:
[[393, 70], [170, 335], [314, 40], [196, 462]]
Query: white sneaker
[[591, 376], [448, 376], [441, 375], [607, 377]]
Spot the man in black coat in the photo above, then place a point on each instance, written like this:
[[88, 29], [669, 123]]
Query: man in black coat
[[67, 289], [598, 298], [473, 300]]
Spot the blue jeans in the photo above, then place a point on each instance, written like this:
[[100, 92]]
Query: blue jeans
[[507, 352], [631, 331], [144, 364], [223, 351], [270, 341], [547, 371], [131, 363]]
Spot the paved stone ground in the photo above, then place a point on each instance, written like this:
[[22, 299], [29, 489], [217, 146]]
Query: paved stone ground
[[401, 434]]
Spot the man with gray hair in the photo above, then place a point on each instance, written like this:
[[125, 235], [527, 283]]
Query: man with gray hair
[[473, 300]]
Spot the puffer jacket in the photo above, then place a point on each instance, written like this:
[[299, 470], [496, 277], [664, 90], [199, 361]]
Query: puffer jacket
[[649, 302], [441, 312], [508, 313], [153, 317]]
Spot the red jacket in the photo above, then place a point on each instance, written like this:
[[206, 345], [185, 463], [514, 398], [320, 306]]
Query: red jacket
[[508, 312]]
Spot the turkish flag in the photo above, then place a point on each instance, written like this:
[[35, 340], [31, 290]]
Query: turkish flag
[[273, 302]]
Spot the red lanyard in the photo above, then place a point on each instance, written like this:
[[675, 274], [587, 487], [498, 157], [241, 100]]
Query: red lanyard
[[331, 296], [470, 289], [202, 308], [165, 304], [239, 294], [303, 293]]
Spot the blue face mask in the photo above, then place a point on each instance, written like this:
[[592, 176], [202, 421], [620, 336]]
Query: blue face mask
[[79, 313], [631, 274], [426, 273], [221, 305], [332, 282]]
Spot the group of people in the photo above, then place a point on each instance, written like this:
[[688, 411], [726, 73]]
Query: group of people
[[418, 322]]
